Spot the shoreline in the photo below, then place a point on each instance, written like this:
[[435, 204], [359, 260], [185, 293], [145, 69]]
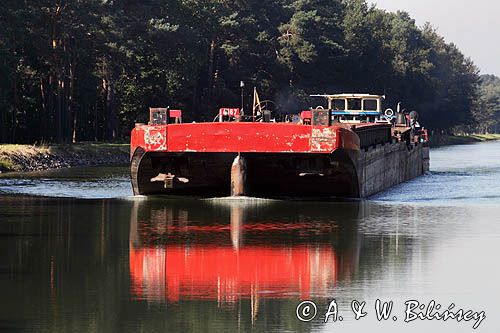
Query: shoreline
[[452, 140], [26, 158]]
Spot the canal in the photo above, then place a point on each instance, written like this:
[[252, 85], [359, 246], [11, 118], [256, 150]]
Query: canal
[[79, 253]]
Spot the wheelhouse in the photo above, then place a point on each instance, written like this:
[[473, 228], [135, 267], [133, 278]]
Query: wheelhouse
[[353, 108]]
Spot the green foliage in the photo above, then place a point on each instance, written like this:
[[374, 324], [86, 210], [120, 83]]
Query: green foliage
[[487, 110], [87, 69]]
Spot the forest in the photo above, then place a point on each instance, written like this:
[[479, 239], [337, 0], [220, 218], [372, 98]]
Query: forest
[[86, 70]]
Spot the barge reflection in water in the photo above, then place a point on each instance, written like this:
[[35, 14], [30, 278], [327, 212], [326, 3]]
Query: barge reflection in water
[[173, 256], [152, 264]]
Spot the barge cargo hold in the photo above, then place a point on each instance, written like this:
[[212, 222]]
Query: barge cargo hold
[[349, 148]]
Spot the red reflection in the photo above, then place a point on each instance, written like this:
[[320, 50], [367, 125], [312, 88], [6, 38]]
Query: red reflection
[[215, 263], [226, 274]]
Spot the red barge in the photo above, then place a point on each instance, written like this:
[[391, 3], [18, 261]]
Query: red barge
[[347, 148]]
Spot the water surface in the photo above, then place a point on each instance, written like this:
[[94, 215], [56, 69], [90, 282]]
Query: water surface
[[79, 253]]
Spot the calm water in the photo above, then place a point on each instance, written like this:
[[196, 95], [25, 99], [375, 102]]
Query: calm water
[[79, 253]]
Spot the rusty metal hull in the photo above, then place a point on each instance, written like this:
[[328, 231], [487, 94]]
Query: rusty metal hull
[[267, 175], [270, 160], [347, 174]]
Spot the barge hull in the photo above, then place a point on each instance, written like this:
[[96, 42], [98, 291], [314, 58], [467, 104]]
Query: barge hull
[[343, 173], [384, 166]]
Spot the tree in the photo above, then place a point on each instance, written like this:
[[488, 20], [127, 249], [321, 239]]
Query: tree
[[89, 69], [487, 110]]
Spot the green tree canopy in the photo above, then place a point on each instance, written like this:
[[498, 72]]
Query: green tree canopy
[[88, 69]]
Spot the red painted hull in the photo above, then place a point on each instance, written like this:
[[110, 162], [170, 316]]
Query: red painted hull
[[243, 138]]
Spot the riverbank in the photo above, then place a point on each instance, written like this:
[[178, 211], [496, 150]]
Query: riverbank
[[55, 156], [448, 140]]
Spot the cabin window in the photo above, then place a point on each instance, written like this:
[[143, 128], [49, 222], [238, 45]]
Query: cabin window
[[370, 105], [354, 104], [339, 104]]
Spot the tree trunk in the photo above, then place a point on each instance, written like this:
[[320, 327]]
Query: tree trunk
[[3, 125], [44, 115], [71, 108], [96, 123], [105, 108], [50, 109], [110, 107], [74, 129], [14, 113], [211, 61], [195, 93], [59, 93]]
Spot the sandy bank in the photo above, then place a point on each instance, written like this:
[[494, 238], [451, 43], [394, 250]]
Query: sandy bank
[[34, 158]]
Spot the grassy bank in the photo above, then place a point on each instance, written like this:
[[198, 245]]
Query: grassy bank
[[32, 158], [446, 140], [54, 156]]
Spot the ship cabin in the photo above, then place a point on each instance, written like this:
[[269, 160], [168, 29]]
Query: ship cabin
[[341, 108], [353, 108]]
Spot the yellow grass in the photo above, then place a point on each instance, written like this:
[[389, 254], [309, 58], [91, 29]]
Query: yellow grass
[[8, 152]]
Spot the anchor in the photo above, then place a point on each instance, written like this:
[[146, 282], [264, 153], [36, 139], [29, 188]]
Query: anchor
[[168, 179]]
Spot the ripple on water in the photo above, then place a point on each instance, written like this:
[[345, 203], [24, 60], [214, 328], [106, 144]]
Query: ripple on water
[[86, 183], [446, 187], [469, 173]]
